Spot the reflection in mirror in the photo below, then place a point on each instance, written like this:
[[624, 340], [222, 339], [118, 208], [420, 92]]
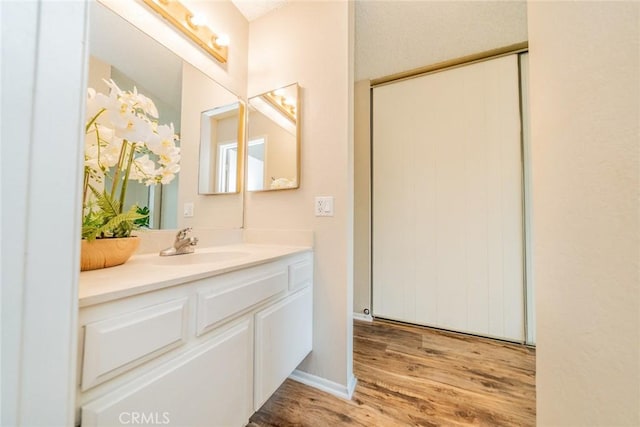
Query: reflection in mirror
[[121, 52], [273, 145], [220, 169]]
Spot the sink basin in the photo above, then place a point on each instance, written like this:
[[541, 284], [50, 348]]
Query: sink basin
[[198, 258]]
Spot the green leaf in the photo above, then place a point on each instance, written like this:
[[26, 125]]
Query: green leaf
[[109, 206], [105, 221], [142, 222]]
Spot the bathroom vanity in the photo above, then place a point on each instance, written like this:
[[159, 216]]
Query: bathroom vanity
[[201, 339]]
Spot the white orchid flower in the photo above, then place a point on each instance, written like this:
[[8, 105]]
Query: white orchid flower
[[143, 168], [167, 177], [145, 103], [135, 129], [121, 122]]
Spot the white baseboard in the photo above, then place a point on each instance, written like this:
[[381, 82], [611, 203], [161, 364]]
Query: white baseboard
[[363, 317], [326, 385]]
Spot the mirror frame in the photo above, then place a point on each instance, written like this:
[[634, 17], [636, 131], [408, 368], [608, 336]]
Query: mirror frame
[[297, 135], [241, 140]]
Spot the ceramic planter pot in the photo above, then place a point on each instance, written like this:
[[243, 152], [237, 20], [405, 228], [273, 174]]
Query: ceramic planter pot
[[102, 253]]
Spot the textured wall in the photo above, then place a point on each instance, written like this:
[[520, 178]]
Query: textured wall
[[395, 36], [585, 95]]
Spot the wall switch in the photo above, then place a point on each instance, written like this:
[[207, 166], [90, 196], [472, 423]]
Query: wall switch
[[324, 206], [188, 210]]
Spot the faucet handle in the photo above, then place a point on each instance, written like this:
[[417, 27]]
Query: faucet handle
[[183, 233]]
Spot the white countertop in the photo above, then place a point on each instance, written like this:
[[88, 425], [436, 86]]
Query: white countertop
[[150, 272]]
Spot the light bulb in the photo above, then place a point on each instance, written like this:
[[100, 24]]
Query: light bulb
[[198, 20], [222, 40]]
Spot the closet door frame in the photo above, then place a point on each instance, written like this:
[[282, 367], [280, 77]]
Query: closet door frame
[[520, 49]]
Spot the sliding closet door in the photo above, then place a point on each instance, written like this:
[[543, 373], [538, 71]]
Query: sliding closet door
[[447, 200]]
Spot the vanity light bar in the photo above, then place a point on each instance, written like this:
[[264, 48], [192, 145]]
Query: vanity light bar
[[183, 19], [285, 105]]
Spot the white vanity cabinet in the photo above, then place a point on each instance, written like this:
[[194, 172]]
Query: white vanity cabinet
[[208, 352]]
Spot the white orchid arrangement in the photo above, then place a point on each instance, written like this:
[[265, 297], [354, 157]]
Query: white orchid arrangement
[[123, 141]]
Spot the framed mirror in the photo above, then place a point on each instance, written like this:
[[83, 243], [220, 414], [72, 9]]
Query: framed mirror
[[273, 142], [221, 149], [120, 51]]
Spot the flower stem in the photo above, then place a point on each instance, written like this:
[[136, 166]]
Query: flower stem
[[85, 189], [93, 119], [116, 175], [123, 191]]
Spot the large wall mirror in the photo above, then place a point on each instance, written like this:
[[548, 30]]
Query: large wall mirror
[[273, 143], [221, 149], [120, 51]]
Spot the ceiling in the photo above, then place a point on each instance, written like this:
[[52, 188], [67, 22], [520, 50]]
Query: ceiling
[[253, 9]]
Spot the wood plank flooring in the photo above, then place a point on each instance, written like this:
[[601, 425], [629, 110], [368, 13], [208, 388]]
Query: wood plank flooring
[[414, 376]]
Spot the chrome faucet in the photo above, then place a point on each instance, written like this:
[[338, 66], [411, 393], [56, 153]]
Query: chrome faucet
[[182, 245]]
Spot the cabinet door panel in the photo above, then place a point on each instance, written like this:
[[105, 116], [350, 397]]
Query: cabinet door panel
[[283, 340], [118, 344], [229, 299], [208, 386], [300, 274]]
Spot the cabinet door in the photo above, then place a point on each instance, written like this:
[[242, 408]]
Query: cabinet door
[[283, 339], [210, 385]]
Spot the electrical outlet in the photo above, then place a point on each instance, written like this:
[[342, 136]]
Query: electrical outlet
[[188, 210], [324, 206]]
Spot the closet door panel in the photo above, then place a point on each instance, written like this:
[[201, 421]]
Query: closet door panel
[[447, 191]]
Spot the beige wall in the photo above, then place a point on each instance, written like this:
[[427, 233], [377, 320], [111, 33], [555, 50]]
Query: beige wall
[[362, 198], [396, 36], [280, 156], [200, 93], [585, 94], [308, 42]]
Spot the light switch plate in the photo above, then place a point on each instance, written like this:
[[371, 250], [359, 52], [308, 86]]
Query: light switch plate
[[188, 210], [323, 206]]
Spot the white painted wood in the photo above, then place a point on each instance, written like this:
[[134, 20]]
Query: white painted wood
[[300, 274], [43, 74], [225, 297], [447, 200], [125, 360], [338, 390], [284, 334], [123, 342], [208, 386]]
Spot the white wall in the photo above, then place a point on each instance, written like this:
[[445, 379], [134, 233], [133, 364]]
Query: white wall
[[309, 42], [396, 36], [43, 93], [585, 110]]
